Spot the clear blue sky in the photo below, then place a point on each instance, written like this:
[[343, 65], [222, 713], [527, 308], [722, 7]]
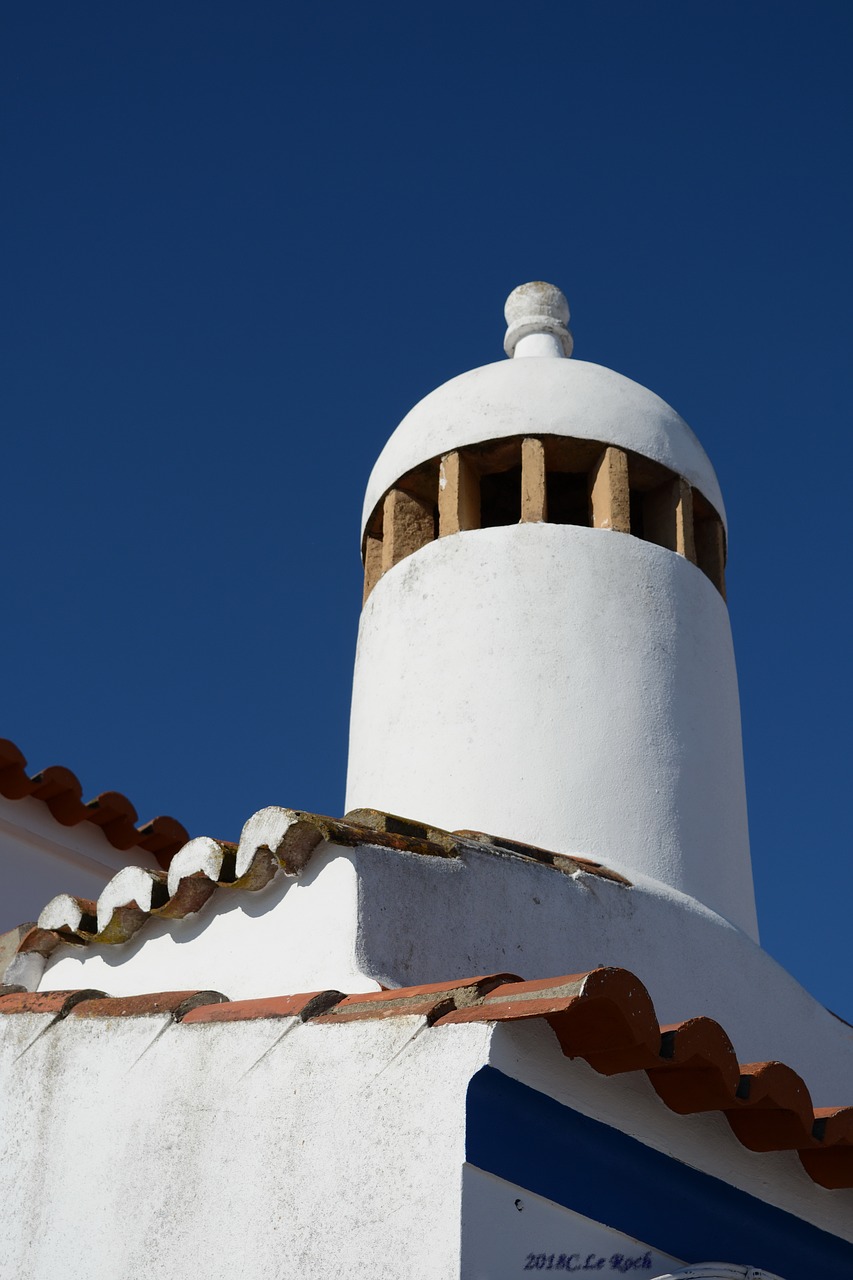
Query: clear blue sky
[[241, 240]]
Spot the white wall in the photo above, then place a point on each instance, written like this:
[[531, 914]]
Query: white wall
[[137, 1148], [573, 688]]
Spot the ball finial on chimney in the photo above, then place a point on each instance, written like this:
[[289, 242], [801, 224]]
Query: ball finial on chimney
[[537, 315]]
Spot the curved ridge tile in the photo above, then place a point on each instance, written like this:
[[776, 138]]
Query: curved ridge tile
[[162, 836], [172, 1004], [773, 1110], [61, 791], [75, 919], [832, 1169], [699, 1070], [57, 1003], [127, 901], [201, 855], [23, 955], [605, 1016], [432, 1001], [195, 872], [571, 864], [834, 1125], [831, 1165], [117, 818], [275, 837]]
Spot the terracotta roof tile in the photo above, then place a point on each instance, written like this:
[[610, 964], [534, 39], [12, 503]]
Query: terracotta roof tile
[[175, 1003], [431, 1001], [772, 1110], [698, 1068], [304, 1006], [60, 790], [59, 1003], [604, 1016], [41, 941]]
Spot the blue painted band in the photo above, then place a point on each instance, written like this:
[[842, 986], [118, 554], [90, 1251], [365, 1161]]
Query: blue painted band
[[537, 1143]]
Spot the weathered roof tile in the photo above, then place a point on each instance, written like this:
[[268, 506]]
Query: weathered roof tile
[[175, 1003], [307, 1005], [431, 1001]]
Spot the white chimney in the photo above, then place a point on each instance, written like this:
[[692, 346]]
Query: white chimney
[[544, 652]]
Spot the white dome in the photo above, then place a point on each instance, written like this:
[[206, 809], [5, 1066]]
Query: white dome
[[542, 396]]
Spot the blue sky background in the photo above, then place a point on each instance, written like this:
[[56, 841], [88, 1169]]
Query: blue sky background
[[241, 241]]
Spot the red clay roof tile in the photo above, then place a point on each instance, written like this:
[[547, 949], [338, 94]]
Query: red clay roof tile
[[605, 1016], [698, 1068], [60, 790], [176, 1003], [307, 1005], [430, 1001], [773, 1110], [59, 1003]]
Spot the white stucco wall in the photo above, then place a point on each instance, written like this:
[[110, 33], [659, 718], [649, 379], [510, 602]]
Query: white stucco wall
[[543, 396], [135, 1147], [39, 858], [573, 688]]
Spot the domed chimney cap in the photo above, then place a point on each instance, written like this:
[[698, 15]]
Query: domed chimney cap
[[541, 310]]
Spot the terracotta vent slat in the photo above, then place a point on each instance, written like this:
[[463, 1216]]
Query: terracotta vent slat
[[542, 479]]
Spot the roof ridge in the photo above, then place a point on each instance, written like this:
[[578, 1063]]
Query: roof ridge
[[61, 790], [605, 1016]]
